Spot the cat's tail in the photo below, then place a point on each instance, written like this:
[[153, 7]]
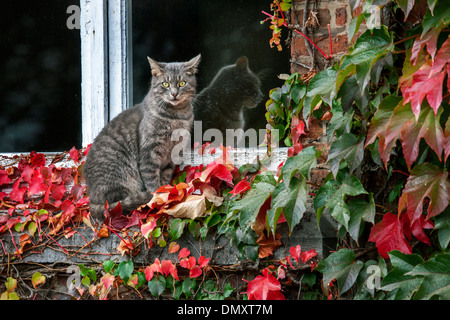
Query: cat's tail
[[128, 204]]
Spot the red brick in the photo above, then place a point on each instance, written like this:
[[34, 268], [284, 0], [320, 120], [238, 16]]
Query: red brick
[[323, 16]]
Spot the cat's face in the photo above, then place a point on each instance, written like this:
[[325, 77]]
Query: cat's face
[[175, 82], [241, 82]]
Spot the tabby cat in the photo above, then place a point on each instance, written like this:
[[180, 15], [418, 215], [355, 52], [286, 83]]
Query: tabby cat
[[221, 104], [131, 156]]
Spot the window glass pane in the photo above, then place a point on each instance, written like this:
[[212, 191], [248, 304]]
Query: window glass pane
[[222, 31], [40, 83]]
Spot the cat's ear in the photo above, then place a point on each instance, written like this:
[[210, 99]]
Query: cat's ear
[[242, 63], [191, 67], [157, 68]]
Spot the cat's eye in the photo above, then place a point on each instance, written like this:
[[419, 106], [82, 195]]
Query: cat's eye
[[166, 84], [182, 83]]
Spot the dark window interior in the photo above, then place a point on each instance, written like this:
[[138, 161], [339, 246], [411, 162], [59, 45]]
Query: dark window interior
[[40, 83], [222, 31]]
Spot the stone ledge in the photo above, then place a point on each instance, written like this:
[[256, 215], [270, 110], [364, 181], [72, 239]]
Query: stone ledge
[[307, 234]]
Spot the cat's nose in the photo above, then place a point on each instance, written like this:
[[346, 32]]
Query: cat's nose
[[174, 95]]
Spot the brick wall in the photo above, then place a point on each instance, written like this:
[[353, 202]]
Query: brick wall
[[337, 14]]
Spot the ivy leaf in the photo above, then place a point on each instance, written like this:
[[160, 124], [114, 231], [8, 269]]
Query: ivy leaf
[[436, 274], [361, 210], [340, 265], [125, 270], [348, 148], [381, 118], [250, 204], [442, 224], [333, 194], [438, 16], [389, 235], [290, 201], [321, 87], [157, 285], [265, 287], [402, 125], [426, 181], [302, 163], [37, 279], [396, 279], [447, 139], [406, 6], [370, 47]]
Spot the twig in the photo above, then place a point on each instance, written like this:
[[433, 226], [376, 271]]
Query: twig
[[48, 236], [14, 242], [300, 33]]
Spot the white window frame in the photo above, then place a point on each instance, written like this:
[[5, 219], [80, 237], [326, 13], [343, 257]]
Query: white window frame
[[107, 64]]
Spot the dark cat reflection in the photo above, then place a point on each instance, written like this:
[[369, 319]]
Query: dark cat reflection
[[221, 104]]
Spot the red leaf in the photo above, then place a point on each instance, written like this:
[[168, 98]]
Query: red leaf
[[147, 228], [17, 193], [73, 153], [195, 272], [183, 253], [4, 178], [202, 261], [218, 171], [37, 159], [295, 252], [426, 181], [265, 287], [114, 218], [417, 229], [307, 255], [167, 267], [188, 263], [58, 191], [388, 235], [241, 187]]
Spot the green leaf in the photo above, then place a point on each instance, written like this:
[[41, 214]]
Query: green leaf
[[176, 228], [125, 270], [406, 6], [108, 265], [298, 91], [188, 286], [290, 201], [333, 194], [302, 163], [439, 18], [340, 265], [157, 285], [370, 47], [397, 280], [37, 279], [436, 274], [323, 85], [347, 147], [285, 6], [340, 123], [360, 210], [442, 224], [250, 204]]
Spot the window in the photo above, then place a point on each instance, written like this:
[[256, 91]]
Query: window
[[60, 86], [222, 31], [40, 67]]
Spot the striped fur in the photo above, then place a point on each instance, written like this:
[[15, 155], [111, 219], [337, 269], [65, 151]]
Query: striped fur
[[131, 156]]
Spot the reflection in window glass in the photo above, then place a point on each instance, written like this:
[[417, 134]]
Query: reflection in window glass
[[222, 31], [40, 83]]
